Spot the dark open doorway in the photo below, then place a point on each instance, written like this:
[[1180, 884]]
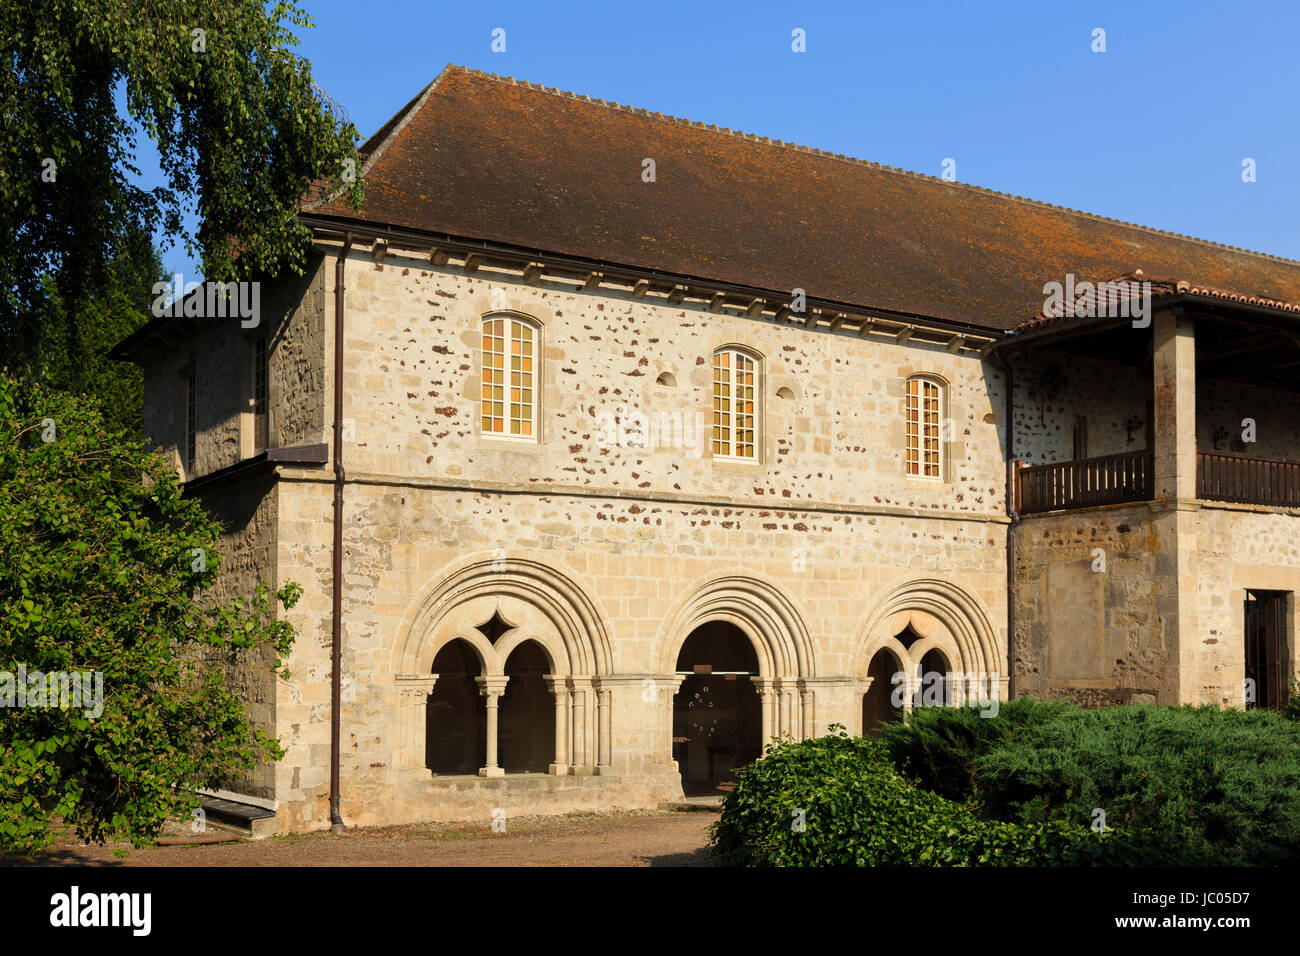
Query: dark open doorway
[[527, 713], [456, 727], [717, 716], [1265, 649], [882, 703]]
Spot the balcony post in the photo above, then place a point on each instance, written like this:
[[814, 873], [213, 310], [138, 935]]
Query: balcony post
[[1174, 406]]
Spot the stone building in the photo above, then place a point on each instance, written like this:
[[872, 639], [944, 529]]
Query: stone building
[[655, 440]]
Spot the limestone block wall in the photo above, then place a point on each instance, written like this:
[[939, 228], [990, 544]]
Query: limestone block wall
[[248, 511], [295, 312], [1096, 606], [822, 589], [221, 354], [1240, 547], [1052, 389], [221, 359], [412, 381]]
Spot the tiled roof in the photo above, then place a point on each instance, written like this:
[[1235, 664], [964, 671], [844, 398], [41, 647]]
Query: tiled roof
[[487, 158], [1106, 299]]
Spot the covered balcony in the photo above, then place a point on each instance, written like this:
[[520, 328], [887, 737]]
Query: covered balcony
[[1201, 403]]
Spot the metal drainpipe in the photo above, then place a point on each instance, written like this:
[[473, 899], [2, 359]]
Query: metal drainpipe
[[1014, 515], [336, 637]]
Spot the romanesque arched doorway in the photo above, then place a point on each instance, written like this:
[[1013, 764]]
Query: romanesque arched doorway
[[717, 717]]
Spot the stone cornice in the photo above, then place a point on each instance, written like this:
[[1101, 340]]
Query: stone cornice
[[664, 497]]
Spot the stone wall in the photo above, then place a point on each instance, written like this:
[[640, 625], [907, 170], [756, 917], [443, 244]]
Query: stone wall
[[1096, 611], [1221, 407], [818, 551], [1052, 389], [1240, 547]]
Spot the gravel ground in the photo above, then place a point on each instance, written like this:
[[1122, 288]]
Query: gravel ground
[[643, 838]]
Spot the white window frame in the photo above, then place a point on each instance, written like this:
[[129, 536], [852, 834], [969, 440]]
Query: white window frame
[[513, 322], [940, 397], [730, 430]]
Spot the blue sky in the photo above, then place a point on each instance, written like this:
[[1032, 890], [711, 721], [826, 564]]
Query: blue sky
[[1153, 131]]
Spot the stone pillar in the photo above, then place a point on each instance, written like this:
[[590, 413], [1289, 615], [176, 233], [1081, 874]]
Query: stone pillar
[[413, 692], [1174, 402], [789, 709], [808, 727], [767, 707], [559, 687], [667, 687], [584, 757], [491, 688], [1174, 381], [605, 732]]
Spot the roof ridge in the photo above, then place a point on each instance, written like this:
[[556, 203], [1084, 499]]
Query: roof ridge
[[699, 124]]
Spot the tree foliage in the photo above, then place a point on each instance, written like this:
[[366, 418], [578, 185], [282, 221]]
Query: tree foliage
[[100, 571], [241, 129]]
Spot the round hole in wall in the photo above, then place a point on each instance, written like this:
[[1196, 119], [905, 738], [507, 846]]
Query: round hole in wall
[[666, 378], [786, 392]]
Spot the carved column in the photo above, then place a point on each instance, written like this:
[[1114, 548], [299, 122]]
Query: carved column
[[789, 709], [491, 688], [767, 707], [808, 728], [667, 687], [604, 731], [413, 692], [583, 758], [560, 689]]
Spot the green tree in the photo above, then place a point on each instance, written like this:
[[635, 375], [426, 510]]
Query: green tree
[[79, 362], [241, 129], [106, 568]]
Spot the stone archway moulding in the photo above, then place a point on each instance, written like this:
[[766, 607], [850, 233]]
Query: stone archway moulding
[[776, 629], [538, 603], [946, 618]]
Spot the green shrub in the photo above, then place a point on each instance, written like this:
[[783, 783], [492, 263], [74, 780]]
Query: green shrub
[[938, 746], [1223, 783], [857, 809]]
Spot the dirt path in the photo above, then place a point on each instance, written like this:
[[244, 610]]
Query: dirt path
[[646, 838]]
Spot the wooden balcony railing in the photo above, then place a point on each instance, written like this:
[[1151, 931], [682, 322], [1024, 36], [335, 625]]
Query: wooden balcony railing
[[1225, 476], [1107, 480]]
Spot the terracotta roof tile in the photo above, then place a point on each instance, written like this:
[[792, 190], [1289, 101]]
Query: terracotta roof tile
[[480, 157]]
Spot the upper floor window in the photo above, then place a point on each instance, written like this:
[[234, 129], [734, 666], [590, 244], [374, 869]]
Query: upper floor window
[[261, 395], [924, 400], [191, 425], [735, 390], [509, 393]]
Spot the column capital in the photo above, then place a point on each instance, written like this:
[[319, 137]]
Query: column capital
[[493, 686], [557, 683]]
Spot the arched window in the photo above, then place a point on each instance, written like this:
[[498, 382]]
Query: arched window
[[923, 413], [735, 404], [509, 394]]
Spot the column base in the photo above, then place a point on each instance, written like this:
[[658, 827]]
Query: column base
[[558, 770], [491, 772]]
